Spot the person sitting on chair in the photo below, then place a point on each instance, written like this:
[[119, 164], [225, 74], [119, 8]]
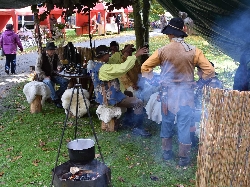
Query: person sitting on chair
[[107, 88], [114, 47], [46, 67]]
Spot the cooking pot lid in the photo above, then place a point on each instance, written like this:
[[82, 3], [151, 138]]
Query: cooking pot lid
[[80, 144]]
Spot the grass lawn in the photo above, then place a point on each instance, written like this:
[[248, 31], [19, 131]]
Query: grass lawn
[[29, 142]]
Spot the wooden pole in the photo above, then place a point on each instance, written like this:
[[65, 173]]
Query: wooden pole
[[36, 106], [38, 33], [110, 126]]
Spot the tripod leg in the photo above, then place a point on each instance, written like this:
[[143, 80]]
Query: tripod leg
[[77, 103], [64, 127]]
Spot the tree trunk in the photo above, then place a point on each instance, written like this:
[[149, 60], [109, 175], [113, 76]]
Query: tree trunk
[[146, 8], [38, 33], [145, 11], [139, 29]]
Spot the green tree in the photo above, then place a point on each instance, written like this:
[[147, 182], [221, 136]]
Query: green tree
[[155, 10]]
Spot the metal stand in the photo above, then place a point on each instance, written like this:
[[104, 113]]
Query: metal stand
[[78, 88]]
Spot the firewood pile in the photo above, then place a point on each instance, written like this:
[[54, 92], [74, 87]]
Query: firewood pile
[[223, 157]]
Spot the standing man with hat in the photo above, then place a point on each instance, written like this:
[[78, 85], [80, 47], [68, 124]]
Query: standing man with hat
[[47, 65], [107, 87], [177, 61]]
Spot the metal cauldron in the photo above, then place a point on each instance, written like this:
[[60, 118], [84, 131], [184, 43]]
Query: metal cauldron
[[81, 150]]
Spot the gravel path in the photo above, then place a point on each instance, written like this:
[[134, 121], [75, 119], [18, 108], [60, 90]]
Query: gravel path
[[24, 61]]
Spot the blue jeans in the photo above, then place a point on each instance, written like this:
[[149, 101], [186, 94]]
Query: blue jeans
[[10, 64], [63, 83], [184, 120]]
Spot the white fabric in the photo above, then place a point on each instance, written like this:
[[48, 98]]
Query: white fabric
[[153, 108], [82, 110], [111, 27], [34, 88], [106, 113], [90, 66]]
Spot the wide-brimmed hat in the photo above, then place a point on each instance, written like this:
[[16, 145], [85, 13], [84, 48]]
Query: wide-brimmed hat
[[101, 50], [50, 46], [175, 27]]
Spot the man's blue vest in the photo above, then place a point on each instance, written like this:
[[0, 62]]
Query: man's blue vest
[[111, 88]]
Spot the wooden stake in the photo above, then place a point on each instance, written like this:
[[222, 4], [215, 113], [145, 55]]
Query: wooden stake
[[110, 126], [36, 106]]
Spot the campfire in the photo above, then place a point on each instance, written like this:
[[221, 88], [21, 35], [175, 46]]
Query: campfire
[[91, 174], [79, 174]]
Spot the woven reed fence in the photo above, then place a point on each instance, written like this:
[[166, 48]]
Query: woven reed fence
[[223, 157]]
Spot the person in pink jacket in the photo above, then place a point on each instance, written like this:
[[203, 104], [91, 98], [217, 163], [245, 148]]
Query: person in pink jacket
[[9, 42]]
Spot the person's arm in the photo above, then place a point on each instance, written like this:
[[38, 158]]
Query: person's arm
[[38, 67], [111, 71], [206, 67], [116, 58], [18, 42], [149, 64]]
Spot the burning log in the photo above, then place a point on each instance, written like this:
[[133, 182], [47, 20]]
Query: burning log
[[78, 174], [91, 174]]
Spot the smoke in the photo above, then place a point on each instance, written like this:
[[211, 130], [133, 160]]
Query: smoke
[[232, 32], [146, 88]]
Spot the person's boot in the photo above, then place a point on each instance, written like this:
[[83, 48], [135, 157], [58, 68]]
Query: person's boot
[[193, 139], [128, 117], [184, 152], [167, 148], [58, 103], [138, 124]]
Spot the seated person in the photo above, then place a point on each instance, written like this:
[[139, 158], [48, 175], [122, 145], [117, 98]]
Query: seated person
[[114, 47], [107, 87], [128, 81], [46, 67]]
